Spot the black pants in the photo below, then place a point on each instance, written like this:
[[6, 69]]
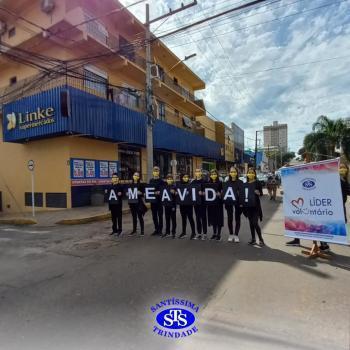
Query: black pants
[[170, 218], [201, 219], [157, 216], [136, 213], [346, 219], [116, 213], [238, 212], [253, 217], [186, 212]]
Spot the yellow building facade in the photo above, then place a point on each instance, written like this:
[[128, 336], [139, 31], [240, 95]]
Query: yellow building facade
[[72, 100]]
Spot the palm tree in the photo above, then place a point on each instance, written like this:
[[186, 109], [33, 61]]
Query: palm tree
[[328, 135]]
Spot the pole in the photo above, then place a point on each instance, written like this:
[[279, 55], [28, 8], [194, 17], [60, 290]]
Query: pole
[[33, 203], [256, 148], [149, 109]]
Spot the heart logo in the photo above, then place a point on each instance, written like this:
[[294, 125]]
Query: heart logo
[[297, 203]]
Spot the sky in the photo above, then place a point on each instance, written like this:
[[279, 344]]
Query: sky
[[288, 60]]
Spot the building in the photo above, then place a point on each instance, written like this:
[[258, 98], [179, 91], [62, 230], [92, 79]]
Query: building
[[224, 137], [276, 135], [238, 141], [72, 101]]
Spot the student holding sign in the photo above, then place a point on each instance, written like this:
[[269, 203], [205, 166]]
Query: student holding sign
[[200, 208], [345, 187], [115, 204], [250, 201], [215, 207], [168, 197], [136, 204], [156, 206], [186, 210], [232, 188]]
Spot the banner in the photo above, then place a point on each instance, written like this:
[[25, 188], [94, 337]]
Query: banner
[[230, 192], [210, 191], [312, 201], [132, 194], [247, 196], [188, 194]]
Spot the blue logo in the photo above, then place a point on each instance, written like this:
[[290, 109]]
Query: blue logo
[[309, 184], [175, 318]]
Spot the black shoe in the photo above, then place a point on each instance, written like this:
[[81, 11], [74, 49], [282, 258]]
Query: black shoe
[[142, 233], [112, 233], [213, 237], [155, 233], [132, 232], [183, 235], [218, 238], [261, 244], [294, 243], [324, 248], [173, 236], [165, 235], [252, 242], [193, 236]]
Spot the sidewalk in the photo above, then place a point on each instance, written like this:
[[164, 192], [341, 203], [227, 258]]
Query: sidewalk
[[74, 216]]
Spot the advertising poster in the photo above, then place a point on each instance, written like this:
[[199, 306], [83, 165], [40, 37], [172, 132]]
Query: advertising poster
[[90, 169], [112, 168], [312, 202], [78, 168], [103, 169]]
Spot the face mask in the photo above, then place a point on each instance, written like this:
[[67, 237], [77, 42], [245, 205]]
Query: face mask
[[136, 178], [198, 175], [251, 176], [233, 174], [342, 172], [115, 180], [185, 179], [213, 177], [156, 174], [169, 181]]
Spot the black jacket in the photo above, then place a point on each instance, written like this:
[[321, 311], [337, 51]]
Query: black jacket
[[158, 185], [202, 183], [117, 188]]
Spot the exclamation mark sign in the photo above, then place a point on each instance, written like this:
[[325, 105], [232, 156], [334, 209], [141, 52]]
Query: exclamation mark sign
[[246, 194]]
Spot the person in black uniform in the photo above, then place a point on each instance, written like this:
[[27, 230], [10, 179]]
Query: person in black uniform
[[170, 208], [138, 209], [345, 187], [186, 212], [200, 209], [115, 204], [236, 184], [216, 211], [157, 208], [254, 212]]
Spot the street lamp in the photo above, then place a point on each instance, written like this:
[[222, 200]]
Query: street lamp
[[185, 59]]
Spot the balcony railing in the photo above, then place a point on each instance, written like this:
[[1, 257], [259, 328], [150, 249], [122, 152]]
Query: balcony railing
[[38, 83]]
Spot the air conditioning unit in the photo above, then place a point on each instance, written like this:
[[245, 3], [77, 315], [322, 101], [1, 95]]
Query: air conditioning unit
[[3, 27], [154, 71], [47, 6]]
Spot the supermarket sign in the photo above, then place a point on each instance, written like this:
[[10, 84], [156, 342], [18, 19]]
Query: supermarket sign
[[90, 172]]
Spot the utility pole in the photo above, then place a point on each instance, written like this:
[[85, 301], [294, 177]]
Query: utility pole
[[256, 148], [149, 90]]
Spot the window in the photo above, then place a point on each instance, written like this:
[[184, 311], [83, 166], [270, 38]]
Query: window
[[12, 32], [126, 48], [161, 73], [161, 110], [96, 80], [13, 81], [163, 161], [130, 161]]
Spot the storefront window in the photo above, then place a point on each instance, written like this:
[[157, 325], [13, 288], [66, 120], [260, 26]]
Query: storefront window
[[184, 164], [163, 160], [130, 161]]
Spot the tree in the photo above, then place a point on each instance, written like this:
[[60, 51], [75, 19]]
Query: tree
[[327, 135], [287, 157]]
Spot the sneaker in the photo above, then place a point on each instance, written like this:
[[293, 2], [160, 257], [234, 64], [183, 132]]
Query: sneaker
[[230, 238], [165, 235], [142, 234], [119, 233], [173, 236], [294, 243], [198, 237], [213, 237], [261, 244], [112, 233], [325, 248], [183, 235], [236, 238], [132, 232], [218, 238], [155, 233], [193, 236], [252, 242], [204, 237]]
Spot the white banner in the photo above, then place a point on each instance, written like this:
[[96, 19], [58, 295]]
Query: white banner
[[312, 202]]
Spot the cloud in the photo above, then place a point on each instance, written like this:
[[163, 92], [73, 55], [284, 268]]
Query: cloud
[[287, 33]]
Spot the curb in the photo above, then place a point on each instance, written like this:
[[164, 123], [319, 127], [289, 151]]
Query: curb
[[89, 219], [17, 222]]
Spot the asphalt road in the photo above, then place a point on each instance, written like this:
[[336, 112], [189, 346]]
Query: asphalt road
[[78, 288]]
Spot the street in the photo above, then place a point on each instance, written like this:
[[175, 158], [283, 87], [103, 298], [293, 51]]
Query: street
[[76, 287]]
